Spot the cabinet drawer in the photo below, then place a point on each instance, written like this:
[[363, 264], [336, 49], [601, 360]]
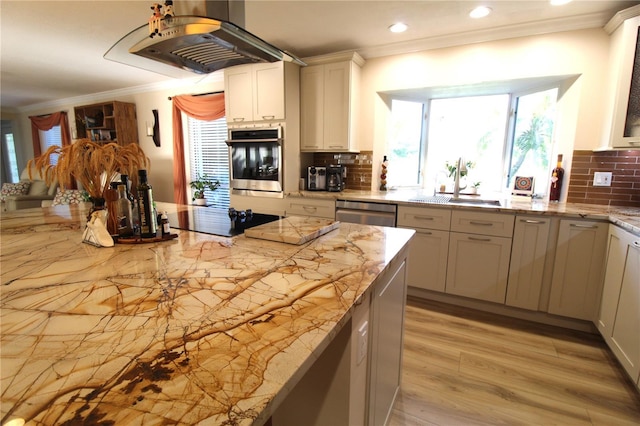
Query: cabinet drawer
[[424, 218], [495, 224], [311, 207]]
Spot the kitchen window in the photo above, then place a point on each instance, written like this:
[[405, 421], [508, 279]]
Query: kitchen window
[[208, 154], [500, 136]]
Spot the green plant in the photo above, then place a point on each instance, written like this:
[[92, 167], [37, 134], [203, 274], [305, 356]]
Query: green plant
[[201, 184], [476, 185], [451, 168]]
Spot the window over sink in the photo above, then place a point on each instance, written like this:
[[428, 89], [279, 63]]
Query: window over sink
[[500, 133]]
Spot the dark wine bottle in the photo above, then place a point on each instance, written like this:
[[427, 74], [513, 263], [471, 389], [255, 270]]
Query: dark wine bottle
[[556, 181], [148, 220]]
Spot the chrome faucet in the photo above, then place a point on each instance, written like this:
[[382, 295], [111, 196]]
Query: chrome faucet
[[461, 167]]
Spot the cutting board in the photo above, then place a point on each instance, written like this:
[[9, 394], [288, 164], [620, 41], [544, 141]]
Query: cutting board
[[293, 229]]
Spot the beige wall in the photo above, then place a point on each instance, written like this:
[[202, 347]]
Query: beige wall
[[161, 170], [581, 111]]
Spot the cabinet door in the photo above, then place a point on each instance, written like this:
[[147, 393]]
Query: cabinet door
[[427, 266], [577, 273], [238, 94], [126, 124], [614, 270], [268, 91], [311, 207], [387, 311], [336, 105], [478, 266], [528, 253], [625, 336], [626, 115], [312, 108], [424, 218]]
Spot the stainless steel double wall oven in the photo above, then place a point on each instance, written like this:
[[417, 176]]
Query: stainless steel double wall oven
[[256, 160]]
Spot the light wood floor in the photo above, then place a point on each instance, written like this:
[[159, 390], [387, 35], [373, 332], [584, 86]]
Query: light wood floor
[[465, 367]]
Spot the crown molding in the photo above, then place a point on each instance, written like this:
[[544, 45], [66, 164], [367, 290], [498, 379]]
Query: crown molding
[[620, 17], [581, 22]]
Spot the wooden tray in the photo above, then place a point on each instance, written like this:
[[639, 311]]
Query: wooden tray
[[138, 240]]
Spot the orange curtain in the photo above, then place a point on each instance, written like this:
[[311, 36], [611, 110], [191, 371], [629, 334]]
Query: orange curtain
[[203, 107], [46, 122]]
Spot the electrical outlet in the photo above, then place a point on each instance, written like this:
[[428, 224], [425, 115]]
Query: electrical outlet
[[363, 341], [602, 178]]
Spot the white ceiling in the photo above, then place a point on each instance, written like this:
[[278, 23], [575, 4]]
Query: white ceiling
[[54, 49]]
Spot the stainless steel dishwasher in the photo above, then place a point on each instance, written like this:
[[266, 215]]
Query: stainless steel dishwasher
[[366, 213]]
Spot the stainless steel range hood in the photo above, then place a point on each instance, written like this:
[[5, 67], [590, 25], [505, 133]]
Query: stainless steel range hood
[[194, 44]]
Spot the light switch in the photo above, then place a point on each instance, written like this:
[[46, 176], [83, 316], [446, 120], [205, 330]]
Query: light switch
[[602, 178]]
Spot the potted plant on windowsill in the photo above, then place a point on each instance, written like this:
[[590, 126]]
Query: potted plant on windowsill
[[201, 184]]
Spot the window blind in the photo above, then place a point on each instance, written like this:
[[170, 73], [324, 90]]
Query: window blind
[[49, 138], [209, 154]]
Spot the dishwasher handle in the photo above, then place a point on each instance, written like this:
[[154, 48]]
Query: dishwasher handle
[[367, 206], [366, 217]]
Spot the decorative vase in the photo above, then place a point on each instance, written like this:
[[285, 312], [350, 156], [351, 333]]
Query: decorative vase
[[201, 201], [96, 204]]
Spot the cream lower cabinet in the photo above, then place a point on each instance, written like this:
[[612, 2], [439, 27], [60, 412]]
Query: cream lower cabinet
[[479, 253], [303, 206], [427, 267], [577, 272], [528, 255], [619, 318], [387, 323]]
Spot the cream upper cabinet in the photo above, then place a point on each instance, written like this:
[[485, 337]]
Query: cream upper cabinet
[[623, 126], [479, 253], [619, 319], [255, 93], [528, 254], [429, 248], [577, 272], [328, 103]]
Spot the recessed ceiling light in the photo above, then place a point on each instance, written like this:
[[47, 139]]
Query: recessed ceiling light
[[398, 28], [559, 2], [480, 12]]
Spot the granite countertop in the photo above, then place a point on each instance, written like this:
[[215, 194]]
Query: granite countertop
[[194, 329], [627, 218]]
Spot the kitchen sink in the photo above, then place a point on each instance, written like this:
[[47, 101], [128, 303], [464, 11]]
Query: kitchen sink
[[445, 199], [474, 201]]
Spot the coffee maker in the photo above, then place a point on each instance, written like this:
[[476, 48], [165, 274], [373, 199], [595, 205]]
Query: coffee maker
[[336, 178]]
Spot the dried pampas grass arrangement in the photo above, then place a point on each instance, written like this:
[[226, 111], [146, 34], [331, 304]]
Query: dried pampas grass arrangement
[[93, 165]]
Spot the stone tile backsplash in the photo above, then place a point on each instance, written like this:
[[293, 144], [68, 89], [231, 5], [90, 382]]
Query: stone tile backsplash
[[625, 182], [359, 167]]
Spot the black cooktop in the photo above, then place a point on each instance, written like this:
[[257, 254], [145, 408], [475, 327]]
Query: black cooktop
[[218, 221]]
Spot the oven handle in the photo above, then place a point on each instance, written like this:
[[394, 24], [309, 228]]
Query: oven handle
[[235, 141]]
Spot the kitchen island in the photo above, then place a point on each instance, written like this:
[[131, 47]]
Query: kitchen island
[[195, 330]]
